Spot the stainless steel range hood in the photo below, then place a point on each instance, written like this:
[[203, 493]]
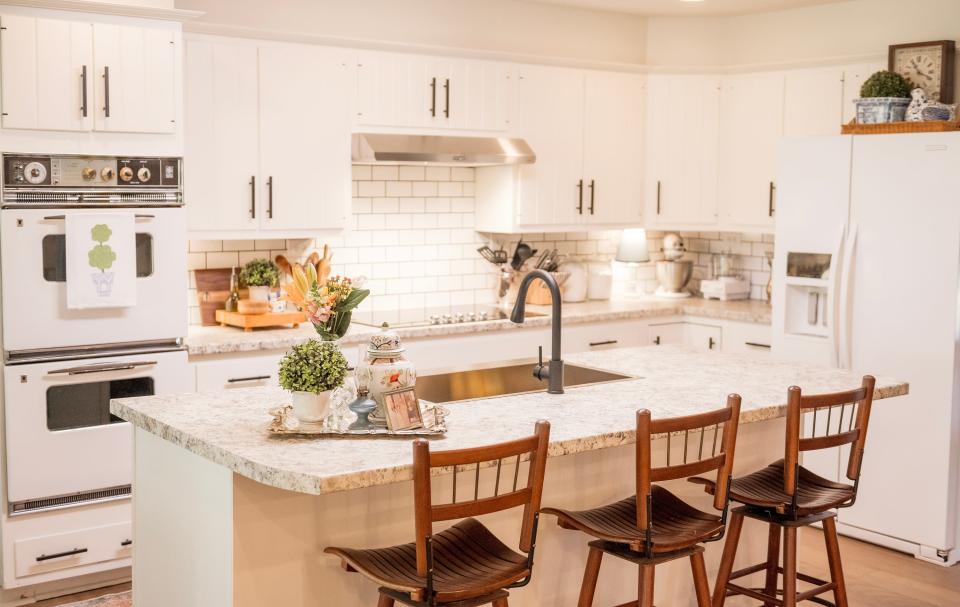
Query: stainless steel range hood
[[381, 148]]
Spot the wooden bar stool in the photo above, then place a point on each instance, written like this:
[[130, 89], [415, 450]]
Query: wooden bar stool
[[654, 526], [787, 496], [464, 565]]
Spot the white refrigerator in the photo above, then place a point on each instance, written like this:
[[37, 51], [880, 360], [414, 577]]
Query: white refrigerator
[[865, 277]]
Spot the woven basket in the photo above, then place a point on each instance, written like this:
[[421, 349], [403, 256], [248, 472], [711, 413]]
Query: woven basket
[[852, 128]]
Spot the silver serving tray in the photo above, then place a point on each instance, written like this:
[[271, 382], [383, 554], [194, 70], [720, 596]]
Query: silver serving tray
[[285, 423]]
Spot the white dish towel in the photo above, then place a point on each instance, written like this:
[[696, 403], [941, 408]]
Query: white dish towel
[[101, 260]]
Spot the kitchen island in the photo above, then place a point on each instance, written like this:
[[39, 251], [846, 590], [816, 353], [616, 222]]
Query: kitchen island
[[226, 515]]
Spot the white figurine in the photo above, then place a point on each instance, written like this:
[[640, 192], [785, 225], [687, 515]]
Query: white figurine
[[922, 109]]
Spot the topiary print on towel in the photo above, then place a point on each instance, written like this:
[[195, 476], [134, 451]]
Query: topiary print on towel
[[101, 256]]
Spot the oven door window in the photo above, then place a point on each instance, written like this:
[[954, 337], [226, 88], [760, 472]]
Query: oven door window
[[55, 257], [87, 405]]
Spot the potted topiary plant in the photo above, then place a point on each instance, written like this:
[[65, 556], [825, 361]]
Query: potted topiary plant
[[884, 97], [259, 275], [311, 371]]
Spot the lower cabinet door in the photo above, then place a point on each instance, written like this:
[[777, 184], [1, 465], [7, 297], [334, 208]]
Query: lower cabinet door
[[672, 333], [58, 551], [233, 373]]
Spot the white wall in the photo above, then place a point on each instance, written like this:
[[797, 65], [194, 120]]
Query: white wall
[[507, 26], [859, 28]]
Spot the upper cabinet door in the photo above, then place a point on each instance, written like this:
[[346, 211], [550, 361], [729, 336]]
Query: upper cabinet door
[[613, 147], [47, 69], [813, 102], [403, 91], [304, 137], [136, 79], [683, 118], [751, 124], [220, 136], [552, 190]]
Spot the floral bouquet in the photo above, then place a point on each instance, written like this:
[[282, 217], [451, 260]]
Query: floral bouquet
[[328, 302]]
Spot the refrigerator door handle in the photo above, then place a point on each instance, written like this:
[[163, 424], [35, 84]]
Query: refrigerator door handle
[[834, 298], [842, 323]]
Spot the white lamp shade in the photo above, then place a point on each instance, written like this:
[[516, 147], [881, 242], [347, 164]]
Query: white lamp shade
[[633, 246]]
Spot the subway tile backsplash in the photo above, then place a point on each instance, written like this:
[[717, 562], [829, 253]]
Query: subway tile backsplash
[[411, 234]]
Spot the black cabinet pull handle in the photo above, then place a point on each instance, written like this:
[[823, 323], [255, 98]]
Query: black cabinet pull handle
[[446, 91], [608, 342], [47, 557], [126, 542], [236, 380], [253, 196], [756, 345], [433, 97], [773, 188], [711, 343], [83, 91], [592, 191], [656, 340], [106, 91], [580, 197], [270, 197], [658, 197]]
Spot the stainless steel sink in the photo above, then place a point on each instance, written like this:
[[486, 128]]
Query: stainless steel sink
[[500, 380]]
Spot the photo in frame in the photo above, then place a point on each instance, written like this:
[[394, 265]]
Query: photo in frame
[[402, 409]]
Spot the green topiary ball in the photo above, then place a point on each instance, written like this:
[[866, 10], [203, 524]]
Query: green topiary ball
[[260, 273], [315, 366], [885, 84]]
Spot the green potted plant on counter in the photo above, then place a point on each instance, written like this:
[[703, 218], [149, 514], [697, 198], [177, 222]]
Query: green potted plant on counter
[[311, 372], [259, 275], [884, 97]]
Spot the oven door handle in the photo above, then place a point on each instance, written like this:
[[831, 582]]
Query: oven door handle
[[103, 368], [63, 217]]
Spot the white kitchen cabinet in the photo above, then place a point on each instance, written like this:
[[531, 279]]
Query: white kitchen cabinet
[[683, 118], [813, 102], [269, 127], [135, 75], [586, 129], [47, 74], [401, 90], [705, 337], [221, 135], [304, 137], [751, 124], [744, 337], [613, 147], [239, 371]]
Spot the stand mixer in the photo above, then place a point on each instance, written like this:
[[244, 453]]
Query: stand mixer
[[673, 273]]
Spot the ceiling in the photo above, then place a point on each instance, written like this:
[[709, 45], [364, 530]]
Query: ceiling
[[679, 7]]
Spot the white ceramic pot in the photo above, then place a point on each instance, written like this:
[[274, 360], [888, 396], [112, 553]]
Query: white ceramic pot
[[259, 293], [310, 407], [575, 288]]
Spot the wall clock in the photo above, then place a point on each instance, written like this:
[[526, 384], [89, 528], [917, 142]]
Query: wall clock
[[928, 65]]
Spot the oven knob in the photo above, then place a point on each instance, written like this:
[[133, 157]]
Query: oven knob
[[434, 319], [89, 173], [126, 173], [107, 174], [447, 319], [143, 174]]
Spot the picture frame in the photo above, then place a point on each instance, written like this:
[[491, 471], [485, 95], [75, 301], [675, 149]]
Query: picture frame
[[402, 409]]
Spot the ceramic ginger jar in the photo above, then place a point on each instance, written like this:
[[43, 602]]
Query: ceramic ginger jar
[[384, 369]]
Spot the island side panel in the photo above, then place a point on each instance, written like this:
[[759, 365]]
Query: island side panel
[[279, 536], [183, 527]]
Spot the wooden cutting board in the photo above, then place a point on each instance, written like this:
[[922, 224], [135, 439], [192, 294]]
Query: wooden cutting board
[[249, 322]]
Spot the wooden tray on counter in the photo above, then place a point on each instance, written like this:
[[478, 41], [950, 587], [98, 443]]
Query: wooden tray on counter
[[933, 126], [249, 322]]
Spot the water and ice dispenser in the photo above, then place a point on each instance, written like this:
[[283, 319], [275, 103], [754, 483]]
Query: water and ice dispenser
[[808, 294]]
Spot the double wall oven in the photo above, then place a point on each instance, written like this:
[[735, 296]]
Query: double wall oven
[[64, 450]]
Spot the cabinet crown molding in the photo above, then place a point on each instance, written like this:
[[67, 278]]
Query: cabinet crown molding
[[109, 8]]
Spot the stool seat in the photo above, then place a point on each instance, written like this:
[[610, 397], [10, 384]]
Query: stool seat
[[469, 561], [764, 489], [675, 524]]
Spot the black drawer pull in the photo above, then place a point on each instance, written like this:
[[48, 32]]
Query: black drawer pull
[[608, 342], [711, 343], [756, 345], [126, 542], [656, 340], [47, 557], [236, 380]]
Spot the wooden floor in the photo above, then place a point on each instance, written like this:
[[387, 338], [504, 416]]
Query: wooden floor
[[876, 577]]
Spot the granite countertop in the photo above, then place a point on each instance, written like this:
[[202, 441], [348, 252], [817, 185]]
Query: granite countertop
[[202, 341], [229, 428]]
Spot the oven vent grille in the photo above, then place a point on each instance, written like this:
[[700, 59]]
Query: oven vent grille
[[79, 198], [65, 501]]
